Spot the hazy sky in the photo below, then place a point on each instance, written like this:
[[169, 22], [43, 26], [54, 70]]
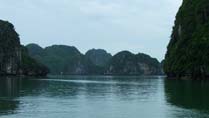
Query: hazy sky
[[114, 25]]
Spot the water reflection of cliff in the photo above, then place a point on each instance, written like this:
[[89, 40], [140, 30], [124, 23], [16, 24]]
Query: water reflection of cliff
[[10, 86], [9, 90], [188, 94]]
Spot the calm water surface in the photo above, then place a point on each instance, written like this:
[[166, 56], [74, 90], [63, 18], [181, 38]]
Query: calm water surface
[[103, 97]]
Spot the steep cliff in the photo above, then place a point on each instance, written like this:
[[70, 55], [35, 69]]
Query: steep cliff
[[13, 58], [188, 53], [98, 56], [127, 63], [62, 59], [10, 50]]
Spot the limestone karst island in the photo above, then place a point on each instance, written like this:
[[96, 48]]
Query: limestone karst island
[[104, 59]]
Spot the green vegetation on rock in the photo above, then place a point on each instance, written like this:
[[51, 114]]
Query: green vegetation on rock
[[187, 53], [30, 66], [14, 59], [61, 59], [126, 63], [98, 56]]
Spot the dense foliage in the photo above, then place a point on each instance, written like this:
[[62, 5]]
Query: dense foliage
[[14, 59], [62, 59], [98, 56], [30, 66], [187, 53], [130, 64], [9, 49]]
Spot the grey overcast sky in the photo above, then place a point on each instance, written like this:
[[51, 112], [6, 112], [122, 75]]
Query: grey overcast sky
[[114, 25]]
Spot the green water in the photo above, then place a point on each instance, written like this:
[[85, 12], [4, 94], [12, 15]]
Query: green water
[[103, 97]]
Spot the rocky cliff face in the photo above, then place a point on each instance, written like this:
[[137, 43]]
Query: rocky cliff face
[[11, 53], [62, 59], [99, 57], [126, 63], [187, 53]]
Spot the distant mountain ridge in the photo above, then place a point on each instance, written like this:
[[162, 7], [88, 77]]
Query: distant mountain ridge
[[62, 59]]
